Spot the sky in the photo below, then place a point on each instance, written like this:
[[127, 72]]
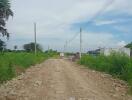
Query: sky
[[104, 23]]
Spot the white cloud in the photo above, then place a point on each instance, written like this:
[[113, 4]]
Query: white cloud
[[125, 30], [54, 19], [93, 41], [121, 6], [104, 22], [121, 44], [51, 15]]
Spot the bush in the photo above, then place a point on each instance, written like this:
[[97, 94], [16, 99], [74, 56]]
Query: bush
[[6, 73], [116, 64]]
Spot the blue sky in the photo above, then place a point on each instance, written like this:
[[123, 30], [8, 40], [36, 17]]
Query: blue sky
[[59, 20]]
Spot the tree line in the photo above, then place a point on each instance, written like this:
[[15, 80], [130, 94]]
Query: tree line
[[29, 47]]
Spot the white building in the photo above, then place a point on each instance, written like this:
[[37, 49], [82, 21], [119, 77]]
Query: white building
[[62, 54], [107, 51]]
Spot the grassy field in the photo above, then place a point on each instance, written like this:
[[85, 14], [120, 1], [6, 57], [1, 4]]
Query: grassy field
[[12, 64], [116, 64]]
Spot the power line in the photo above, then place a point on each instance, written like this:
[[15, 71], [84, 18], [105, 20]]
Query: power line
[[67, 42], [73, 37], [93, 18], [101, 10]]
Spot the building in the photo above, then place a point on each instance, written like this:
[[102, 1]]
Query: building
[[62, 54], [108, 51], [94, 52]]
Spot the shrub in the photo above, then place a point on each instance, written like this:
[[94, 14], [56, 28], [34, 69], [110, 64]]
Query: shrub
[[117, 64]]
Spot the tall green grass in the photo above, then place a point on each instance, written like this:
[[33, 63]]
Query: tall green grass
[[116, 64], [9, 62]]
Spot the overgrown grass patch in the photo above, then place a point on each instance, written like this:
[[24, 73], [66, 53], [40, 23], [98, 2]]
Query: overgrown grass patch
[[116, 64], [9, 62]]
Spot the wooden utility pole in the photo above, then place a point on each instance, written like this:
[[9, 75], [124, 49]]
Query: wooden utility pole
[[80, 42], [35, 39], [66, 46], [48, 48]]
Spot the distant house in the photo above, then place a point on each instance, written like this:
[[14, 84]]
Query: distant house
[[94, 52], [107, 51], [62, 54]]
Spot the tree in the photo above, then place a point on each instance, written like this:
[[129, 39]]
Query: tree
[[129, 45], [5, 13], [15, 47], [30, 47], [2, 45]]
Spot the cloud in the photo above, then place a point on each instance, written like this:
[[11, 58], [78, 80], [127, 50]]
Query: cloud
[[51, 15], [104, 22], [121, 44], [123, 29], [93, 40], [121, 6], [55, 18]]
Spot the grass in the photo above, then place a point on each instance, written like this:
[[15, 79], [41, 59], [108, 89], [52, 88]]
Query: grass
[[116, 64], [9, 62]]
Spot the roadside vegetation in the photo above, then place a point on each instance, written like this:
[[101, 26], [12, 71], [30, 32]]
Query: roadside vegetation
[[14, 63], [117, 64]]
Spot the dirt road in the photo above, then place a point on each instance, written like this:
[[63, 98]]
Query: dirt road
[[58, 79]]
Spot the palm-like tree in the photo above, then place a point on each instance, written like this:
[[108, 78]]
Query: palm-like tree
[[2, 45], [5, 13]]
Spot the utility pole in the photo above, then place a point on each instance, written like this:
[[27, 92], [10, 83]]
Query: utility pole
[[35, 39], [80, 42], [65, 47], [48, 48]]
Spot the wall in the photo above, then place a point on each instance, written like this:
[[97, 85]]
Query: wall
[[107, 51]]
